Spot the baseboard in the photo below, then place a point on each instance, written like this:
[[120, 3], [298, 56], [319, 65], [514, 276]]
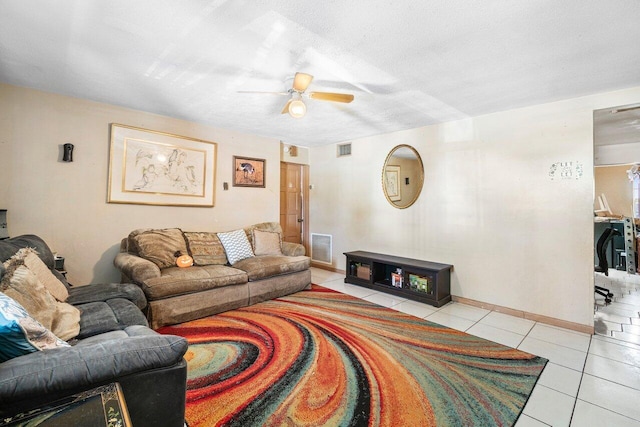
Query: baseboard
[[578, 327], [327, 267]]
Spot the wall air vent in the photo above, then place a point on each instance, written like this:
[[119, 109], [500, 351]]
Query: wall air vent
[[344, 149], [321, 246]]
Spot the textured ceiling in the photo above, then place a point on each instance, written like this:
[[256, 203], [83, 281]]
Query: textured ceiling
[[408, 63]]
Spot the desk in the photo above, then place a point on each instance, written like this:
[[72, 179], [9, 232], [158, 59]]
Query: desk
[[102, 406]]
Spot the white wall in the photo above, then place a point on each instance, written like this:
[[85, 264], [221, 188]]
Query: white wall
[[65, 203], [518, 234]]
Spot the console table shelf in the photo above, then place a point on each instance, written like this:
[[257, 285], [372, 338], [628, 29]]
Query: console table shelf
[[424, 281]]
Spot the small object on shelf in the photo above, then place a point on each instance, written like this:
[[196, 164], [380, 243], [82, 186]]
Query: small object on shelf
[[396, 278], [364, 272], [419, 283], [4, 231], [58, 262]]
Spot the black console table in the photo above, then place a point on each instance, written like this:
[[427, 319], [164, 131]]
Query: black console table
[[423, 281]]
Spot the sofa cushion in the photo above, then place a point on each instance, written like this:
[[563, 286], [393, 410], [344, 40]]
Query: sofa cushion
[[178, 281], [263, 226], [106, 291], [262, 267], [103, 316], [266, 242], [236, 245], [21, 284], [159, 246], [20, 333], [205, 248]]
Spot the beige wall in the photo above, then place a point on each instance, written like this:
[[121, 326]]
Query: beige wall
[[517, 234], [301, 154], [65, 203], [614, 183]]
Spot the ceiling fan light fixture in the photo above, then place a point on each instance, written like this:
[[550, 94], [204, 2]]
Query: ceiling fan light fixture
[[297, 108]]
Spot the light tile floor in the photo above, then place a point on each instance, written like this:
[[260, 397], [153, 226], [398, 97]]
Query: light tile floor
[[589, 380], [621, 318]]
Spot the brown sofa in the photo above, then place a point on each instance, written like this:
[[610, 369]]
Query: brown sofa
[[175, 295]]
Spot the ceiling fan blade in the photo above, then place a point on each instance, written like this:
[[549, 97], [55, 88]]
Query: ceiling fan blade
[[330, 96], [285, 110], [301, 82]]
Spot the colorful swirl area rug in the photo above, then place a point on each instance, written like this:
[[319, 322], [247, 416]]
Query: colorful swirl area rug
[[322, 358]]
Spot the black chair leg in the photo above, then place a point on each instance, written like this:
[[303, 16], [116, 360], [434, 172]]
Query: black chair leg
[[605, 293], [603, 265]]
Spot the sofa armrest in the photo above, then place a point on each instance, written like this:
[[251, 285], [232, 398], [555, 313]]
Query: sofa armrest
[[85, 366], [135, 268], [292, 249]]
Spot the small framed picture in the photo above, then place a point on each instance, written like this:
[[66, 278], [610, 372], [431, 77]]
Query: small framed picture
[[248, 172]]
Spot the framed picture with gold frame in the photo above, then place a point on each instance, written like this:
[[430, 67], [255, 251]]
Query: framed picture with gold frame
[[248, 172], [147, 167]]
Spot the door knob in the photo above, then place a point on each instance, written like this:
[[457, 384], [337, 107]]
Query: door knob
[[300, 220]]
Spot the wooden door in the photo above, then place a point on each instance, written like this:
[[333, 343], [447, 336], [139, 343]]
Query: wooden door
[[294, 203]]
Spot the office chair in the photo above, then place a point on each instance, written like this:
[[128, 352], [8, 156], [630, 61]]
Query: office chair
[[603, 264]]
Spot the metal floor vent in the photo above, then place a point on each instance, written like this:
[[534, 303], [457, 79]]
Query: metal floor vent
[[321, 247]]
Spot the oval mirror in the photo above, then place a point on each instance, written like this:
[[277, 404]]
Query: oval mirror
[[402, 176]]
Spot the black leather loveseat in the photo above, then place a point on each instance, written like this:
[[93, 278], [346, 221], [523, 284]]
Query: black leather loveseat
[[115, 344]]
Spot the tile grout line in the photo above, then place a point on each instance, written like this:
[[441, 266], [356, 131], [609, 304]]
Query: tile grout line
[[584, 365]]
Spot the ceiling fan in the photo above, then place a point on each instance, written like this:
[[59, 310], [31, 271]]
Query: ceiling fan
[[295, 106]]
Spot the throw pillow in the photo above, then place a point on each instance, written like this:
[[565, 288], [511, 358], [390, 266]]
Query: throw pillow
[[205, 248], [20, 333], [45, 276], [161, 246], [22, 285], [236, 245], [266, 242]]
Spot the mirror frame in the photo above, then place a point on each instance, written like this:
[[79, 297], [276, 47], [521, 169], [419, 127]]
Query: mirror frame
[[384, 168]]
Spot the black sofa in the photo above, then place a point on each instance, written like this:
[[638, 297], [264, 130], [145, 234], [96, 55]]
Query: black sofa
[[115, 344]]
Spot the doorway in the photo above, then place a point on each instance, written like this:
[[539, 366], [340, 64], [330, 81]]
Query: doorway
[[616, 133], [294, 203]]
